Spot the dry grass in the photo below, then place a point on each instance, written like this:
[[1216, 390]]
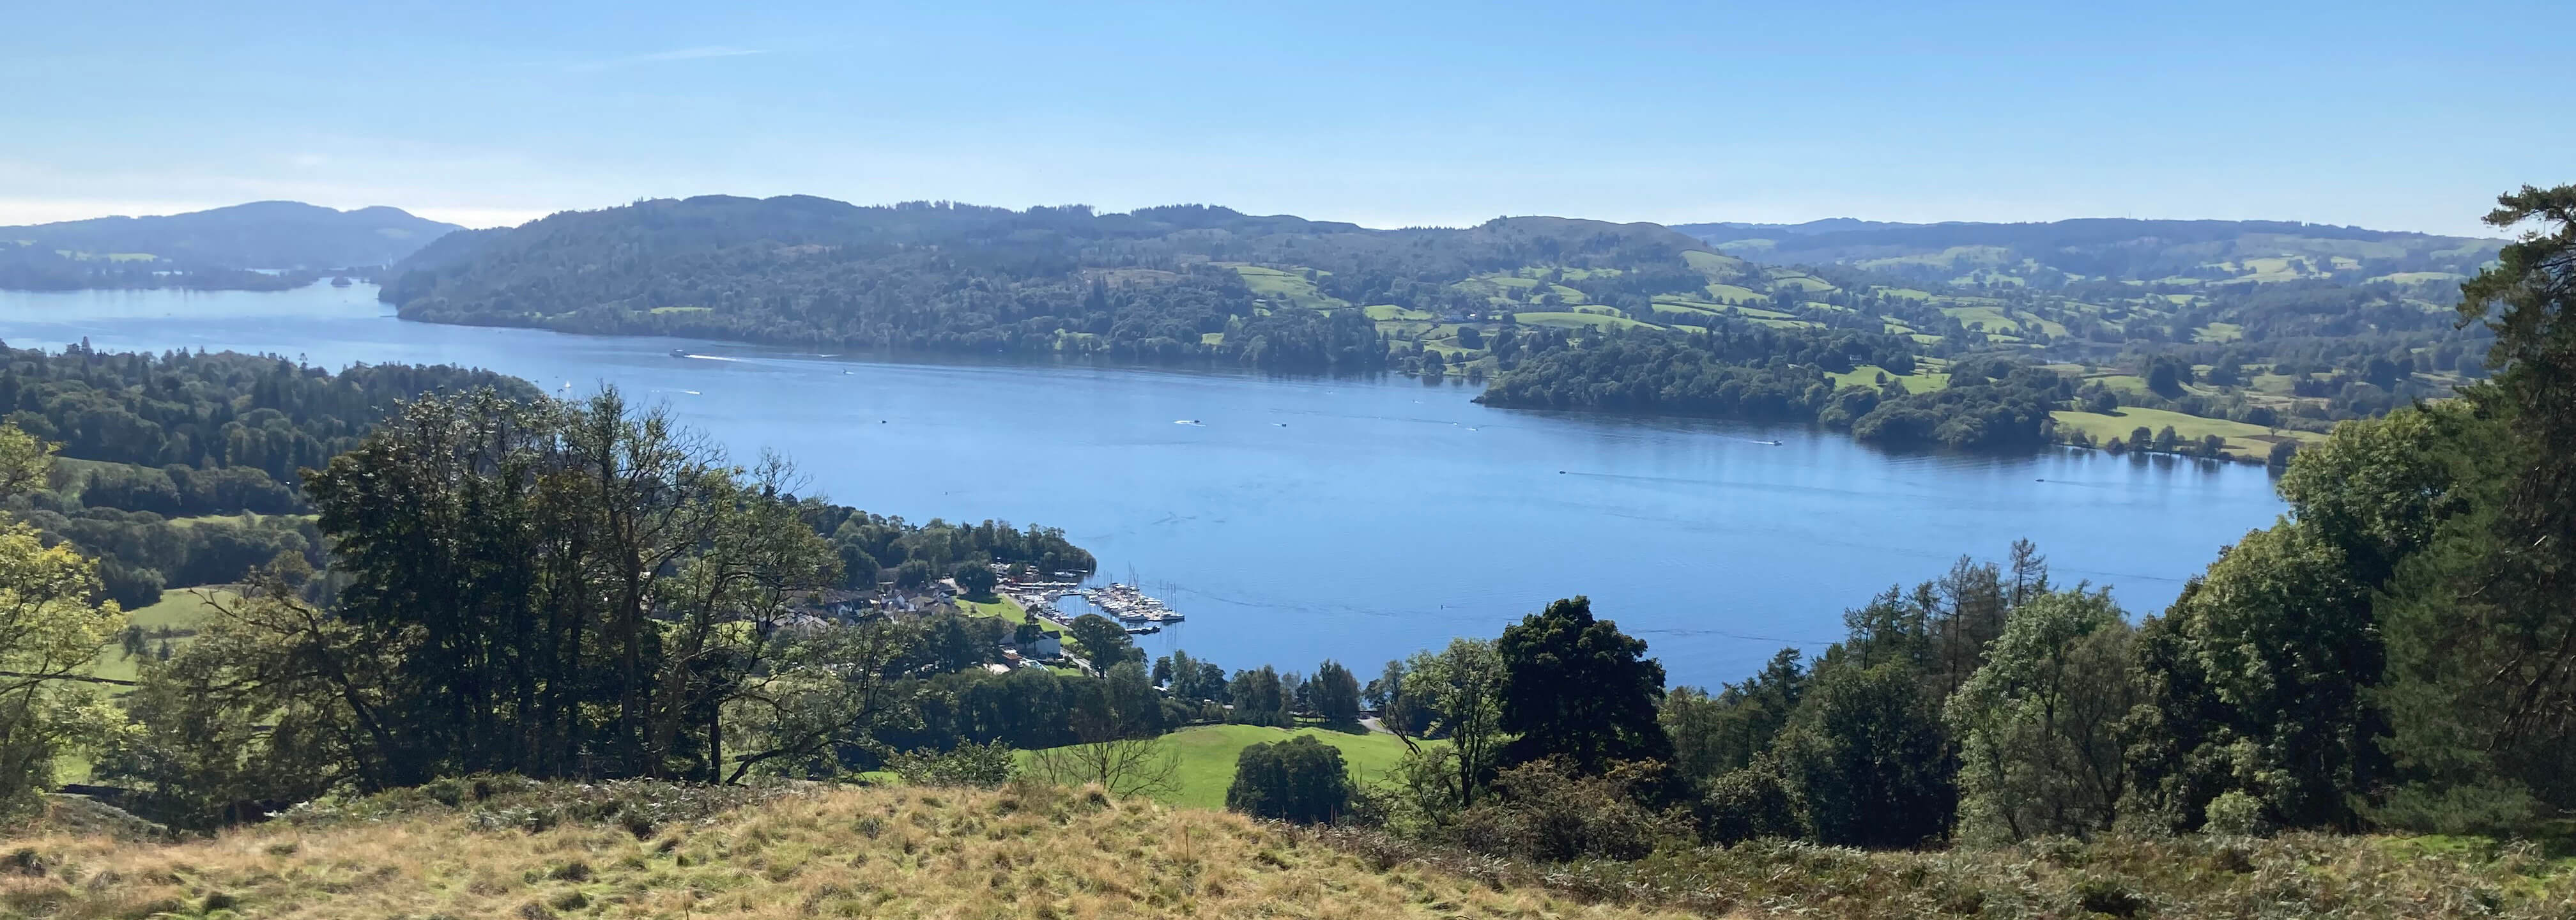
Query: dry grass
[[2168, 878], [1024, 851]]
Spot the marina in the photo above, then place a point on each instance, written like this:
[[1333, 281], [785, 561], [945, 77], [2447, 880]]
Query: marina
[[1140, 613]]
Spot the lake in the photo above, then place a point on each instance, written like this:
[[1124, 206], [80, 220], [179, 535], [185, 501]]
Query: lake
[[1295, 519]]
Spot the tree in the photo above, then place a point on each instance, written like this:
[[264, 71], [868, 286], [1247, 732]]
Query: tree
[[2264, 676], [50, 632], [1117, 747], [2141, 439], [1713, 735], [1462, 688], [2253, 682], [2481, 625], [1258, 699], [1299, 780], [1867, 756], [976, 579], [823, 691], [1397, 712], [545, 588], [1104, 642], [1577, 688], [1193, 680], [2165, 377], [1336, 693], [2037, 727], [913, 575], [2278, 459]]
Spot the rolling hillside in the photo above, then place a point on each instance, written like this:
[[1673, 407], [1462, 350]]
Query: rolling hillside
[[1743, 321], [632, 850], [2172, 252], [262, 234]]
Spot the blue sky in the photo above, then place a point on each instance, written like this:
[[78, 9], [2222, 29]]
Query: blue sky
[[2394, 116]]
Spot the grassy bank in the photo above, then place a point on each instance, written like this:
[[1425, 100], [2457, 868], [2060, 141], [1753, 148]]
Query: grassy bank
[[512, 848], [1021, 852], [2244, 441]]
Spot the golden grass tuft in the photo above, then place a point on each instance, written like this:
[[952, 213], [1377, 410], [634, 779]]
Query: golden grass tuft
[[1022, 851]]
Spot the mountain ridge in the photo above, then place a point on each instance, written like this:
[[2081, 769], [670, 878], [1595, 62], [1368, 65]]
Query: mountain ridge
[[253, 235]]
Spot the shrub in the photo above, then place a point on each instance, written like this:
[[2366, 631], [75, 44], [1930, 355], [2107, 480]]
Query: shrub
[[1749, 804], [1301, 780], [2234, 813], [1545, 811], [986, 765]]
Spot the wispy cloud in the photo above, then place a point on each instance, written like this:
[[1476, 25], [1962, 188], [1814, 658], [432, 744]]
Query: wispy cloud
[[684, 54]]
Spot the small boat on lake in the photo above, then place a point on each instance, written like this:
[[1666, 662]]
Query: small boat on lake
[[681, 353]]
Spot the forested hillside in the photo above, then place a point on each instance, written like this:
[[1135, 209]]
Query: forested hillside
[[214, 249], [183, 467], [2182, 253], [2259, 352]]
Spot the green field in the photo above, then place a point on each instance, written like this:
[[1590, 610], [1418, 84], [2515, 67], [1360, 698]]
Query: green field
[[2253, 442], [1994, 318], [1922, 380], [1387, 312], [1006, 609], [1734, 293], [1713, 264], [1286, 288], [1208, 753], [2218, 332], [1685, 304], [1800, 281], [1569, 320], [180, 608]]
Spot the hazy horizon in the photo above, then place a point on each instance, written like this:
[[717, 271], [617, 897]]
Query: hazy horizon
[[1424, 115], [416, 212]]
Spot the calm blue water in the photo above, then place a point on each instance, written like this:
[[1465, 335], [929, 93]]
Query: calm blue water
[[1303, 518]]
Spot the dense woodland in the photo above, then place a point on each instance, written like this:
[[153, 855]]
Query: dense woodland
[[517, 585], [184, 465]]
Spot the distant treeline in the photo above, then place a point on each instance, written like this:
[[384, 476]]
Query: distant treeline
[[34, 268], [1989, 403]]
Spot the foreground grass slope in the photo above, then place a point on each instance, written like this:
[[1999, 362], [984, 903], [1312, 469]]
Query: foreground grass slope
[[1028, 851], [511, 848]]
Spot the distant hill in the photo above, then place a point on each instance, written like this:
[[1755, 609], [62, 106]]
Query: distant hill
[[1731, 231], [259, 235], [2117, 249], [2298, 325], [1166, 283]]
